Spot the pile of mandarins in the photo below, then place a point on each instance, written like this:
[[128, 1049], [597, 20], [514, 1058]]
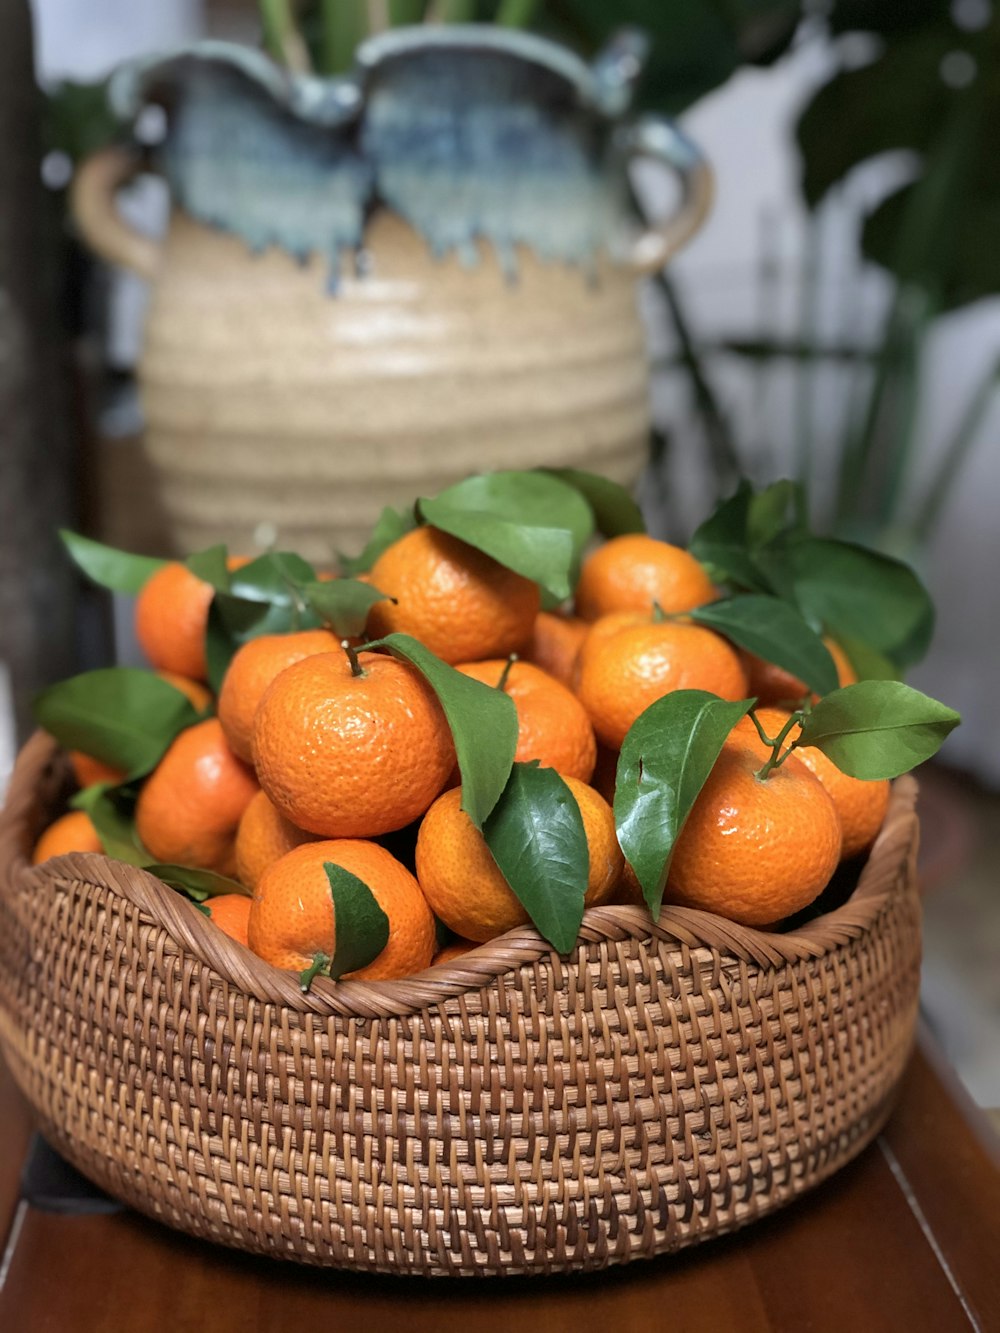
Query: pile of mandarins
[[318, 751]]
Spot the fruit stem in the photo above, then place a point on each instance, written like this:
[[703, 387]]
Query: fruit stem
[[320, 963], [352, 657], [661, 617], [502, 682], [776, 758]]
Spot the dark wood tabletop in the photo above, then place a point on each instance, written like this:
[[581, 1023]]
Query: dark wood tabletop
[[907, 1237]]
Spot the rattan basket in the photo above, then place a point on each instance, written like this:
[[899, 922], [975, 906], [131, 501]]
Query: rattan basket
[[515, 1112]]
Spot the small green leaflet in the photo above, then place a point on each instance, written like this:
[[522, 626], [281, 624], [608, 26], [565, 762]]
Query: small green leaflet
[[361, 927], [391, 525], [537, 838], [531, 522], [665, 761], [123, 716], [878, 728], [343, 604], [483, 724], [773, 512], [615, 512], [775, 631], [118, 570]]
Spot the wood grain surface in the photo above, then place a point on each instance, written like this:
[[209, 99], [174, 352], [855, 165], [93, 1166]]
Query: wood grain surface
[[904, 1238]]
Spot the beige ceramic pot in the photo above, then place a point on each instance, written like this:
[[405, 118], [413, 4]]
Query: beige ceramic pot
[[289, 393]]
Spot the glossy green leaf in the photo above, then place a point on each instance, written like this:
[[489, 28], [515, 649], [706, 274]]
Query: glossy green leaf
[[211, 566], [664, 763], [861, 595], [196, 883], [391, 525], [342, 604], [773, 511], [774, 631], [118, 570], [361, 927], [867, 663], [483, 724], [722, 544], [265, 597], [537, 838], [614, 510], [531, 522], [878, 728], [123, 716], [112, 812]]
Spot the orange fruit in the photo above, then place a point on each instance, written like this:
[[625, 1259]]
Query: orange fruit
[[87, 770], [751, 850], [292, 917], [554, 644], [632, 572], [69, 833], [264, 835], [231, 913], [552, 724], [351, 756], [860, 805], [771, 684], [602, 629], [191, 804], [463, 883], [452, 951], [251, 671], [171, 613], [460, 603], [629, 670], [200, 695]]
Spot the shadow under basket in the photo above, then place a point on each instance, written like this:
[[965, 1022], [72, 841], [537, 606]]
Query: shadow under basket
[[511, 1112]]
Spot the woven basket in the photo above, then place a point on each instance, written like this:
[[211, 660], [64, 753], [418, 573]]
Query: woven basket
[[514, 1112]]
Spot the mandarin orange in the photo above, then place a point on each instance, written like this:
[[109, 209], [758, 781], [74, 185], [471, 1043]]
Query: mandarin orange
[[72, 832], [264, 835], [231, 913], [555, 644], [632, 572], [460, 603]]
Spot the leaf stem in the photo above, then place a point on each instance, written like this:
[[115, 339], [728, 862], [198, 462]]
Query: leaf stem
[[352, 657], [502, 682], [320, 964], [777, 758]]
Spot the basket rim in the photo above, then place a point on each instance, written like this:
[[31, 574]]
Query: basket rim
[[719, 939]]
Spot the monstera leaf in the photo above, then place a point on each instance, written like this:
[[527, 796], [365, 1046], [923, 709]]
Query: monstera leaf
[[930, 90]]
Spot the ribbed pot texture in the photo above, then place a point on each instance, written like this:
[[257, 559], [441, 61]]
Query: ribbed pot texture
[[513, 1112]]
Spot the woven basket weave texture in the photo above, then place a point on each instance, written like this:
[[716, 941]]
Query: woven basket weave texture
[[513, 1112]]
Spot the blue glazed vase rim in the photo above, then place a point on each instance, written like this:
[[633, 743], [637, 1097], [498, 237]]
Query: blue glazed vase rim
[[605, 86]]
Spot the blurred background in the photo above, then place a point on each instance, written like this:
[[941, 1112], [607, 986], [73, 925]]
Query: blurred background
[[835, 320]]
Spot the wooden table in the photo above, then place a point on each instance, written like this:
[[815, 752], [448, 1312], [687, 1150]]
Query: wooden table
[[905, 1238]]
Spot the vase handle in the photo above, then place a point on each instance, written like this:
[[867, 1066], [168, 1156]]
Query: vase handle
[[659, 138], [92, 203]]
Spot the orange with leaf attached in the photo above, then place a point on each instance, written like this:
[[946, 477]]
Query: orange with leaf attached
[[635, 573]]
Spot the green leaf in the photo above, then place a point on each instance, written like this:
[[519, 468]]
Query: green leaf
[[867, 663], [112, 812], [196, 883], [862, 595], [343, 604], [265, 597], [483, 724], [529, 521], [773, 511], [774, 631], [362, 928], [123, 716], [391, 525], [878, 728], [722, 544], [615, 512], [211, 566], [537, 838], [664, 763], [118, 570]]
